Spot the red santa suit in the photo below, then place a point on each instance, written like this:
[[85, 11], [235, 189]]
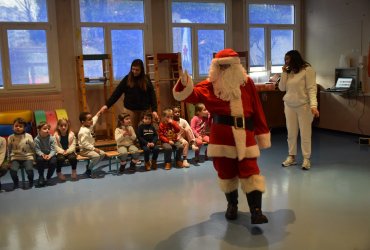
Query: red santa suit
[[234, 149]]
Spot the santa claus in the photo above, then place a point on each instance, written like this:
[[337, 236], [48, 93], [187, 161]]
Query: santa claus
[[238, 130]]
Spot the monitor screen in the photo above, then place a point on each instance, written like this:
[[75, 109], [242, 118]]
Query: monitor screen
[[344, 82]]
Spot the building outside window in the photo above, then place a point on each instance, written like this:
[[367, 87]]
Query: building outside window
[[27, 45], [273, 29], [115, 27], [199, 29]]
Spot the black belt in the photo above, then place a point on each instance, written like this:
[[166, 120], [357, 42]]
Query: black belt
[[239, 122]]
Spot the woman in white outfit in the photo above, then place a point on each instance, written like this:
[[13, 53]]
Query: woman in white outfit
[[298, 79]]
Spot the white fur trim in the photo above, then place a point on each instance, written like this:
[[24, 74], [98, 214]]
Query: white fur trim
[[228, 185], [216, 150], [180, 96], [264, 140], [254, 182], [249, 152], [240, 135], [226, 60], [236, 107]]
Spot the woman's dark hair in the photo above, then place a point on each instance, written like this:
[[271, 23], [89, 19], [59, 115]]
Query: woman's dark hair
[[139, 80], [296, 61]]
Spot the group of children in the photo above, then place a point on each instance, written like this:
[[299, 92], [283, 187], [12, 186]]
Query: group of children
[[50, 152], [47, 151], [174, 133]]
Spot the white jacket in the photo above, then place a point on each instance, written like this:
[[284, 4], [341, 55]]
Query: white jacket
[[86, 140], [2, 150], [125, 140], [300, 88]]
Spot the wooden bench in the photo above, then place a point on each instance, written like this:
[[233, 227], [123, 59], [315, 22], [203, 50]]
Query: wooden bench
[[114, 155], [108, 146], [80, 158], [111, 155]]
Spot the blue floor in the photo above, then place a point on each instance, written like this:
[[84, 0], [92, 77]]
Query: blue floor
[[327, 207]]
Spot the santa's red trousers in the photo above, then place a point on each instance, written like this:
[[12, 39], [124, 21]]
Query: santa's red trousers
[[228, 168]]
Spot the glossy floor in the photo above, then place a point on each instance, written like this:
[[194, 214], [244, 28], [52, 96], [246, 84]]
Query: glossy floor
[[327, 207]]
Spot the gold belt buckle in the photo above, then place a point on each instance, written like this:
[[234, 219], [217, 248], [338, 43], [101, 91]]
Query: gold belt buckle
[[236, 122]]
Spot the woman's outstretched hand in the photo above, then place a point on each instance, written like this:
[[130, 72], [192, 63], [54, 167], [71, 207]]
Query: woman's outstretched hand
[[103, 109]]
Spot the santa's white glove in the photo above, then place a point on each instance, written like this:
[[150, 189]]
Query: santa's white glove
[[185, 78], [182, 91]]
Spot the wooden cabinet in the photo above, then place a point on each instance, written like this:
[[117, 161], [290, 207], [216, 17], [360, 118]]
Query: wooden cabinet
[[273, 106]]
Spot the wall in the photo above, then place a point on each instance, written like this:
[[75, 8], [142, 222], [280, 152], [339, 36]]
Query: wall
[[333, 28], [67, 61], [159, 26], [238, 27]]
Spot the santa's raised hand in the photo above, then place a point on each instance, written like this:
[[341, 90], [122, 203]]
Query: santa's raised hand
[[185, 78], [183, 86]]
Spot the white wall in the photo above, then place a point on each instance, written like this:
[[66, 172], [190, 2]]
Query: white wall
[[332, 28]]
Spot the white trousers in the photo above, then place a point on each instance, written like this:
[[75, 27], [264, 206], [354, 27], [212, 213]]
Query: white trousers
[[299, 119], [94, 157]]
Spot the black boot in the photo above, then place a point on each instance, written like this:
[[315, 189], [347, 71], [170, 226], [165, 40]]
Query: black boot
[[3, 171], [30, 178], [48, 177], [232, 205], [122, 168], [41, 181], [255, 202], [15, 179], [88, 173], [132, 167], [50, 173]]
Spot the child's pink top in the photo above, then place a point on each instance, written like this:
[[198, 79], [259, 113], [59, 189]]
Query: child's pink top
[[200, 125]]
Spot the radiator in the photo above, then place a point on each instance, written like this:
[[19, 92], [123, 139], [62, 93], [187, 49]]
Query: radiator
[[35, 102]]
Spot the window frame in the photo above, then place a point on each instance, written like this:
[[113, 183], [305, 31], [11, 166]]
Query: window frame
[[107, 29], [50, 29], [296, 28], [195, 27]]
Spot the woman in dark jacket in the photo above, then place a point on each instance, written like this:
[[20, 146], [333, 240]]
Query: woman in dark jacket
[[139, 94]]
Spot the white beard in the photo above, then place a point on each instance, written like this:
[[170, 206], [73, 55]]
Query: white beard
[[226, 84]]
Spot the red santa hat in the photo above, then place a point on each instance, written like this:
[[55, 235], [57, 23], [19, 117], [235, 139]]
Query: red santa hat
[[226, 56]]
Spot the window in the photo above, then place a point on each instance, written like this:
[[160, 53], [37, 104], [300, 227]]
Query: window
[[273, 30], [28, 41], [28, 56], [115, 27], [199, 29]]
